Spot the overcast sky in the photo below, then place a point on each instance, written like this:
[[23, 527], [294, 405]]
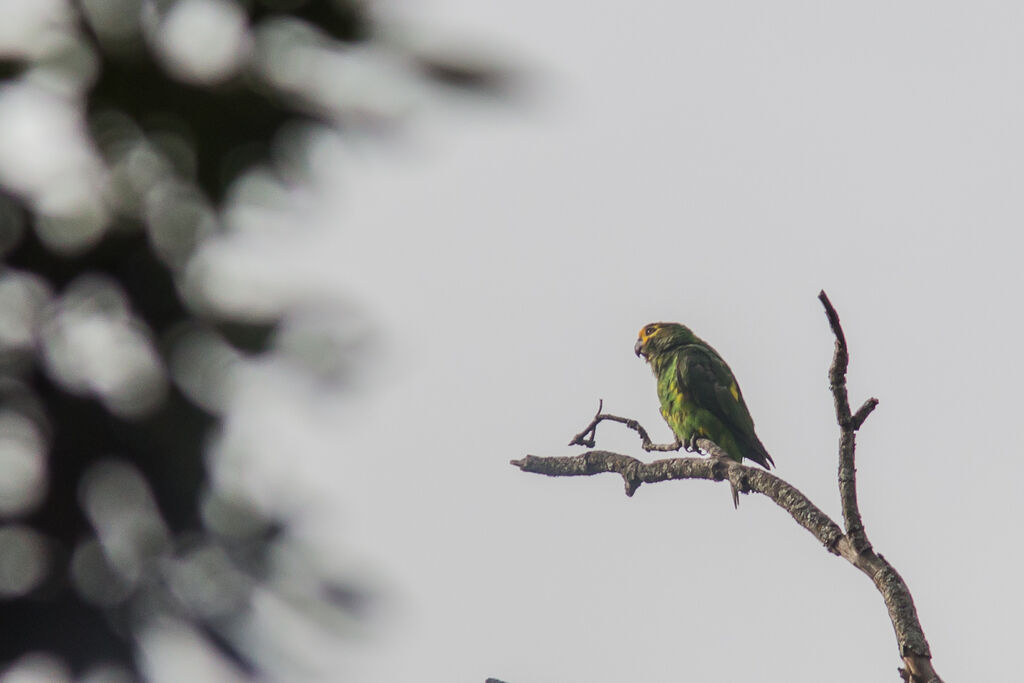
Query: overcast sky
[[714, 164]]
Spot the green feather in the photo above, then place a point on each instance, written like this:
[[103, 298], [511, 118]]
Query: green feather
[[699, 395]]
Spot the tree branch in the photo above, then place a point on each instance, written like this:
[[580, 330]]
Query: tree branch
[[847, 431], [745, 479], [909, 634], [588, 437], [862, 413], [852, 545]]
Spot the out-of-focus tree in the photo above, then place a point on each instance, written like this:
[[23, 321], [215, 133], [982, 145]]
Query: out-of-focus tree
[[133, 132]]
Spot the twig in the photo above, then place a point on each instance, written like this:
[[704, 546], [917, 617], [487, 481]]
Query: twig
[[852, 545], [862, 413], [588, 437]]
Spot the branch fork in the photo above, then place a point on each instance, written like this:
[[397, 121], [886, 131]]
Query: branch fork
[[849, 541]]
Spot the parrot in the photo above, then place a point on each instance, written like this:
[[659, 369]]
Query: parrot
[[699, 395]]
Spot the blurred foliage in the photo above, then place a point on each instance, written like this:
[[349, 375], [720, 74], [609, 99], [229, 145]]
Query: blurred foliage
[[126, 127]]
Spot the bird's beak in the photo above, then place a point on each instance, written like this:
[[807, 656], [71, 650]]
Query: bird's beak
[[638, 348]]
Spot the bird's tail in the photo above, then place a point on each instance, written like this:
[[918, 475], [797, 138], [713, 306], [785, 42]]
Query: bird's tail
[[755, 450]]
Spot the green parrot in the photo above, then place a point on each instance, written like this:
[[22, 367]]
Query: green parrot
[[699, 395]]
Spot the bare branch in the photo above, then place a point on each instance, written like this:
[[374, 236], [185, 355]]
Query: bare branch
[[847, 439], [840, 361], [862, 413], [919, 670], [909, 635], [746, 479], [852, 545], [588, 437]]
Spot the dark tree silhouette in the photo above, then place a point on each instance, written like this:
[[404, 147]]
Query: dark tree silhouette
[[89, 548]]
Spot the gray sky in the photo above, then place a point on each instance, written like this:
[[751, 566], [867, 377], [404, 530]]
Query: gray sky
[[715, 165]]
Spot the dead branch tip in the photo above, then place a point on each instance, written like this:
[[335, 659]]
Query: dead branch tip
[[833, 318], [862, 413]]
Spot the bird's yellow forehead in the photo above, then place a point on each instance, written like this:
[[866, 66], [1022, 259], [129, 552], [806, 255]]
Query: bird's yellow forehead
[[648, 331]]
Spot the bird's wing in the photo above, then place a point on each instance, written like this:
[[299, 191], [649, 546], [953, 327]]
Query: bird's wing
[[705, 377]]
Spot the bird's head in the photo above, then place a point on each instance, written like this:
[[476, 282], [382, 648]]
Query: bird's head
[[655, 338]]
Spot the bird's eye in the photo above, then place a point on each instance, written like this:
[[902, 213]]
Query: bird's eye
[[650, 330]]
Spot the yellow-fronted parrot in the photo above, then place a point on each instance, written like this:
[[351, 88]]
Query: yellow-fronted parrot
[[699, 395]]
